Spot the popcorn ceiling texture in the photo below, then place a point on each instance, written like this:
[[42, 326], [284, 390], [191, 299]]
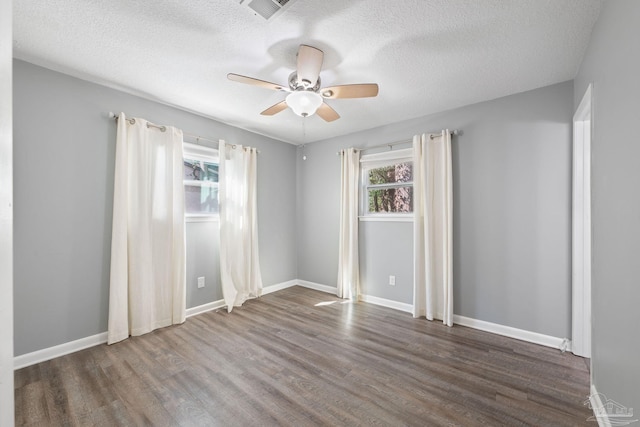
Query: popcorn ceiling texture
[[426, 55]]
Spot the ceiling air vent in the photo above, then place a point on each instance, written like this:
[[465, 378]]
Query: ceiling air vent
[[268, 9]]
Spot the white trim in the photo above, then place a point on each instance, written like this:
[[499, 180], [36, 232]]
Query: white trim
[[581, 228], [210, 306], [201, 218], [401, 306], [202, 151], [278, 287], [583, 112], [318, 287], [385, 156], [216, 305], [7, 417], [45, 354], [596, 402], [49, 353], [378, 160], [196, 183], [508, 331], [387, 218]]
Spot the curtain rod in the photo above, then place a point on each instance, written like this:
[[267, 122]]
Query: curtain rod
[[114, 116], [405, 141]]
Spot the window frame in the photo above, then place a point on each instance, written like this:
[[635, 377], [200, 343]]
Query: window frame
[[192, 151], [378, 160]]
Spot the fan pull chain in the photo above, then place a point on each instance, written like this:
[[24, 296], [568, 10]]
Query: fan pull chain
[[304, 130]]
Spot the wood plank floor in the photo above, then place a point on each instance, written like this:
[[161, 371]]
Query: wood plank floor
[[300, 357]]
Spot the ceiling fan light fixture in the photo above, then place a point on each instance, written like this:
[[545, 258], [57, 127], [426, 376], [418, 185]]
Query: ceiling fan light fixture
[[304, 103], [305, 97]]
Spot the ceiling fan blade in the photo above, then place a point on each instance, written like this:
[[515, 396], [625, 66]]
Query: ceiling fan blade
[[327, 113], [254, 82], [364, 90], [309, 65], [275, 109]]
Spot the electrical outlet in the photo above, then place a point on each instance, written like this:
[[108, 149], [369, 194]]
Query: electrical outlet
[[392, 280], [201, 282]]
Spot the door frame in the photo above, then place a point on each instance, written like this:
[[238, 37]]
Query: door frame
[[581, 227], [6, 219]]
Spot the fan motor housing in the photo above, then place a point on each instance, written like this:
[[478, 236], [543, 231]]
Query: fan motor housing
[[306, 85]]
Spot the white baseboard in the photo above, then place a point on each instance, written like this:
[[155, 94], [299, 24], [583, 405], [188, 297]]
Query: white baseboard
[[607, 412], [387, 303], [507, 331], [278, 287], [510, 332], [365, 298], [318, 287], [49, 353], [45, 354], [597, 404], [214, 305], [77, 345]]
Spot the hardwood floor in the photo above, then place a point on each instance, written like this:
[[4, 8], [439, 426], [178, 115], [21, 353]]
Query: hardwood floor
[[301, 357]]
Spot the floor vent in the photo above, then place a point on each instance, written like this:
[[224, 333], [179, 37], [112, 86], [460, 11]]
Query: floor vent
[[268, 9]]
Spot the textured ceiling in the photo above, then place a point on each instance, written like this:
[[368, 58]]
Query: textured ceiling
[[426, 55]]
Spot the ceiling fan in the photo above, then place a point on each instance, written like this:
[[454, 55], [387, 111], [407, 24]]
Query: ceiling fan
[[305, 95]]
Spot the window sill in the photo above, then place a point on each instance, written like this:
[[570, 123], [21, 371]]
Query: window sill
[[202, 218], [386, 218]]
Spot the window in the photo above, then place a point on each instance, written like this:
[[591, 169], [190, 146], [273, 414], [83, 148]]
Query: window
[[387, 185], [200, 181], [390, 188]]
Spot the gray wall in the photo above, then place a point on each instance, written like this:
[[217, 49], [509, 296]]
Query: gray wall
[[612, 64], [203, 246], [512, 211], [64, 159], [386, 250], [6, 220]]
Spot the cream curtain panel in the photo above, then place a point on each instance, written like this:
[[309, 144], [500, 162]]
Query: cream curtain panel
[[348, 265], [147, 288], [239, 259], [432, 229]]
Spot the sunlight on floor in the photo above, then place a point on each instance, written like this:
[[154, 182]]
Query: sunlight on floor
[[323, 303], [349, 311]]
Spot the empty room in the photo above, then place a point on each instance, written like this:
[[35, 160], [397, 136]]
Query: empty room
[[305, 212]]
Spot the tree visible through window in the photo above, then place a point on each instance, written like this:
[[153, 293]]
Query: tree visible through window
[[200, 181], [390, 188]]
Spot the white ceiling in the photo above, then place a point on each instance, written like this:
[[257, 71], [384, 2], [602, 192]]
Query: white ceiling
[[427, 55]]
